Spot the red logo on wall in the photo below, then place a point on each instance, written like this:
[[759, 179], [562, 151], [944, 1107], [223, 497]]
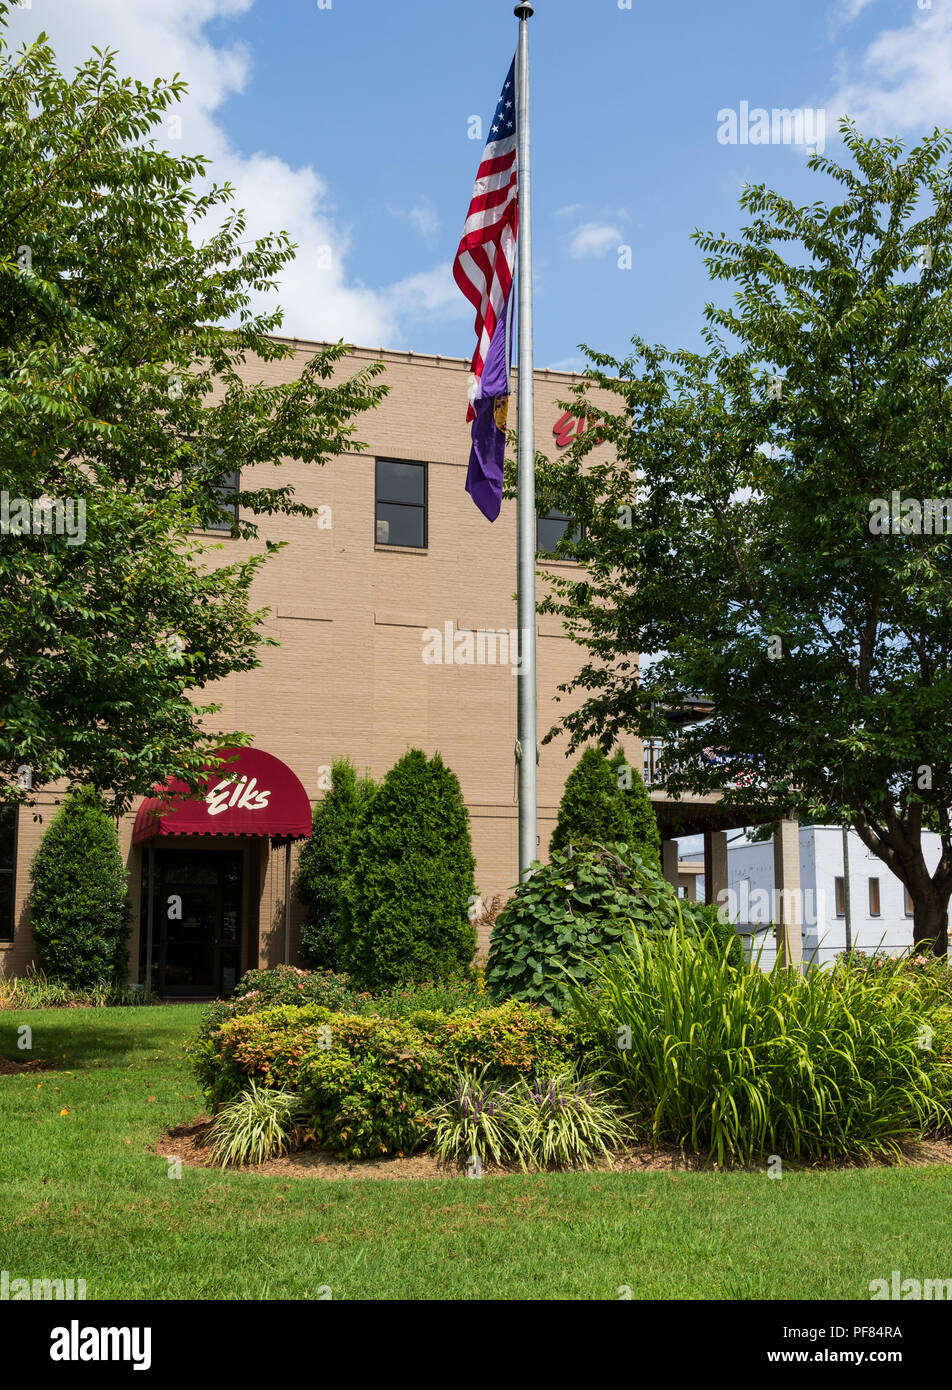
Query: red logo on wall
[[566, 428]]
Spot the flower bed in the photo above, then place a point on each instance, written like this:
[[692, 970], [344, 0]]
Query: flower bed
[[367, 1083], [287, 984]]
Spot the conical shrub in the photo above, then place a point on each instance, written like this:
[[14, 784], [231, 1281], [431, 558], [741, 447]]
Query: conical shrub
[[410, 880], [79, 902]]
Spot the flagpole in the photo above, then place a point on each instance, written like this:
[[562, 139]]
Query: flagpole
[[526, 748]]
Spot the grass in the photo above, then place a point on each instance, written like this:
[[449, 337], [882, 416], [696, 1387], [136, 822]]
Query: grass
[[81, 1196], [752, 1062], [34, 991]]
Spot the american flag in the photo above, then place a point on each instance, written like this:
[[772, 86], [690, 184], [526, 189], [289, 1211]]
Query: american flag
[[486, 259]]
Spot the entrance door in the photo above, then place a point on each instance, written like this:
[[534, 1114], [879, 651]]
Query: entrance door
[[197, 921]]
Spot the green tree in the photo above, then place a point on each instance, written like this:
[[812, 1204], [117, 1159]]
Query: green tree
[[322, 862], [593, 805], [78, 901], [410, 882], [121, 394], [762, 521]]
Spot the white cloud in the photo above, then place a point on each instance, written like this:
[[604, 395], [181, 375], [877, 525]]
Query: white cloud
[[320, 297], [594, 239], [428, 294], [848, 10], [901, 81], [423, 217]]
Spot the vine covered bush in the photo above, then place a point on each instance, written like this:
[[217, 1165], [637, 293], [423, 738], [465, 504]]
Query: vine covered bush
[[581, 904]]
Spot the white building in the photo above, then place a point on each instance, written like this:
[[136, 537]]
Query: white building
[[880, 908]]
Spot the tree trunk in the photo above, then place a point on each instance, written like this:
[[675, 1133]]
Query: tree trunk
[[901, 851], [930, 922]]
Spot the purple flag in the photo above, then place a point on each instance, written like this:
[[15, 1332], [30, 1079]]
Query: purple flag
[[484, 478]]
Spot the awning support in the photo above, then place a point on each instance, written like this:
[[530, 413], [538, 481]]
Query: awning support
[[287, 903], [149, 916]]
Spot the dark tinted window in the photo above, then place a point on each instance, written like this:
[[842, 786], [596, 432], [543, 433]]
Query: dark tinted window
[[400, 504], [400, 482], [551, 528]]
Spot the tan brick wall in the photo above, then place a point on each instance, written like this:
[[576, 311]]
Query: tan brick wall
[[349, 676]]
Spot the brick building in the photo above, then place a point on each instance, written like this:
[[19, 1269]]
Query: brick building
[[398, 554]]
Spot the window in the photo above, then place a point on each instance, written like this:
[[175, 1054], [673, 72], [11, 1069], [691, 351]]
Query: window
[[227, 492], [839, 892], [551, 528], [8, 865], [400, 504], [907, 903], [874, 897], [227, 518]]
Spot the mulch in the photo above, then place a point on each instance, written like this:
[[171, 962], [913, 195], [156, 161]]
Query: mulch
[[185, 1142], [10, 1068]]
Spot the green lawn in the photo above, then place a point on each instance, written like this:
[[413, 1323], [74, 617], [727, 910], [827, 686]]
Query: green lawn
[[81, 1197]]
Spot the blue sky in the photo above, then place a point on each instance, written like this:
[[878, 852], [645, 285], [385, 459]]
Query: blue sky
[[348, 126]]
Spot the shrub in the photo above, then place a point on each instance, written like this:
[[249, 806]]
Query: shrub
[[287, 984], [477, 1120], [35, 991], [838, 1063], [264, 1046], [368, 1083], [367, 1094], [79, 906], [322, 862], [283, 984], [460, 995], [512, 1039], [254, 1127], [411, 880], [593, 805], [561, 1121], [572, 909]]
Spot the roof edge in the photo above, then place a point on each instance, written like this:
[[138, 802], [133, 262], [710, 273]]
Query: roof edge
[[405, 355]]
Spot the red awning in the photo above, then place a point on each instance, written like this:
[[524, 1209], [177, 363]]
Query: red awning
[[256, 794]]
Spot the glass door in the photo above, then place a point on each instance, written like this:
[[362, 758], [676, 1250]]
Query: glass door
[[197, 921]]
